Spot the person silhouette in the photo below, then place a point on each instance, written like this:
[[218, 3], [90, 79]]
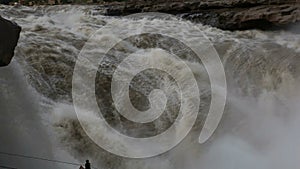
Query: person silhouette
[[87, 164]]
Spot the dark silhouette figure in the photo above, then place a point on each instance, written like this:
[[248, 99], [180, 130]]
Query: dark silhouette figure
[[9, 36], [87, 164]]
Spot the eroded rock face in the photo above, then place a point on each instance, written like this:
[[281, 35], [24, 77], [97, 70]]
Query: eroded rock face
[[261, 17], [9, 36], [224, 14]]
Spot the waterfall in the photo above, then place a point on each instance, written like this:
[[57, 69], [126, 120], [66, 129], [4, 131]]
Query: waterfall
[[259, 128]]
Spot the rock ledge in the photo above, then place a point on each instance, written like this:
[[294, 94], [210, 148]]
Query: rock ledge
[[224, 14]]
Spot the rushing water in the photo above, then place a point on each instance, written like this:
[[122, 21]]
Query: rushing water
[[259, 128]]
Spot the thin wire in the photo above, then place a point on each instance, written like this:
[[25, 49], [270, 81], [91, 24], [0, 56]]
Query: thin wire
[[39, 158], [2, 166]]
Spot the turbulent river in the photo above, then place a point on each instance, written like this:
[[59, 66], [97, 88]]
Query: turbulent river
[[259, 128]]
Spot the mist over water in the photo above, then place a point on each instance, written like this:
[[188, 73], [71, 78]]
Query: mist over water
[[22, 130], [259, 128]]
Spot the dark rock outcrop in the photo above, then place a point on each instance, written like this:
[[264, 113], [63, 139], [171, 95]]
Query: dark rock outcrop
[[224, 14], [9, 36]]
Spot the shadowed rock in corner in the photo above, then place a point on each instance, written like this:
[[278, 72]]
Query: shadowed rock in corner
[[224, 14], [9, 36]]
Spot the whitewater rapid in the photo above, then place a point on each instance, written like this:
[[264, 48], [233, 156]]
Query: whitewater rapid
[[259, 128]]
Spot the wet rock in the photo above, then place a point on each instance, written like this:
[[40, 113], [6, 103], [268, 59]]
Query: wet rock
[[9, 35], [224, 14], [261, 17]]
